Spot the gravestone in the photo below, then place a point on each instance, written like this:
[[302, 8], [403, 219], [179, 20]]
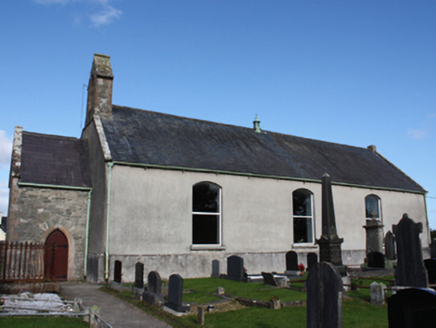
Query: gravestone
[[430, 265], [433, 248], [292, 264], [216, 269], [412, 307], [175, 294], [117, 271], [220, 290], [154, 282], [329, 242], [390, 252], [139, 275], [291, 261], [312, 259], [378, 293], [154, 288], [376, 260], [374, 236], [324, 296], [235, 268], [410, 269], [268, 279]]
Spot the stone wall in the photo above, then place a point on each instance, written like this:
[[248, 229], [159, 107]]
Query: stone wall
[[36, 212], [199, 264]]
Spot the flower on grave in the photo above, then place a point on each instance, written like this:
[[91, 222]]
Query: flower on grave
[[301, 267]]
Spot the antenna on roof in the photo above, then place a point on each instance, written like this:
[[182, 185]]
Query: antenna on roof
[[83, 107]]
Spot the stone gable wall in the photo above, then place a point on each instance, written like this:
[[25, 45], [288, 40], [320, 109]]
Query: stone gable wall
[[37, 212]]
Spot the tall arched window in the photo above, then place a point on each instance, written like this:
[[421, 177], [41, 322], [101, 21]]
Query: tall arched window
[[372, 207], [206, 214], [303, 216]]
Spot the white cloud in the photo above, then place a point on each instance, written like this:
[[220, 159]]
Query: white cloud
[[103, 15], [418, 134], [106, 16], [5, 150]]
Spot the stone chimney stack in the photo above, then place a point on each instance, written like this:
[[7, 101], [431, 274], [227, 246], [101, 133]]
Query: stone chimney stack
[[100, 88]]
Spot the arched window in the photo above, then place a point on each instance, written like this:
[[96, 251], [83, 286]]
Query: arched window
[[206, 214], [303, 216], [372, 207]]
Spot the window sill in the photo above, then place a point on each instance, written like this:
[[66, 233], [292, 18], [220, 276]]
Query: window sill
[[208, 248], [304, 246]]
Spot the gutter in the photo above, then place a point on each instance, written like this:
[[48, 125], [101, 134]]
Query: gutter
[[106, 269], [42, 185]]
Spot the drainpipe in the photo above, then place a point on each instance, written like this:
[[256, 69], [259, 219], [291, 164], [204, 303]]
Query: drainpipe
[[106, 271], [85, 266]]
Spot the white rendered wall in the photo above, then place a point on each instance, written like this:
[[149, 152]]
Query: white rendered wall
[[151, 220]]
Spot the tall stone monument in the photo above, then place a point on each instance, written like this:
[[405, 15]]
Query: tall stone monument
[[329, 242], [374, 236]]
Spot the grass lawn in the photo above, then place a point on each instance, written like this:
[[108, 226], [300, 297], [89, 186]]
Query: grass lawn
[[257, 291], [357, 311], [46, 322]]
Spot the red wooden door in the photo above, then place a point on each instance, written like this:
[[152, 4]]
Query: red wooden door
[[56, 256]]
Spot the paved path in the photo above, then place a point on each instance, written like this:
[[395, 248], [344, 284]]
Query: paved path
[[114, 311]]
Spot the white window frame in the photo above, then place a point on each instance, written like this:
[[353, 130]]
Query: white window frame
[[307, 217], [378, 206], [219, 244]]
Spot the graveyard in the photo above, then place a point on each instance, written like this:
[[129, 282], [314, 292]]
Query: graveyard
[[248, 304], [394, 287]]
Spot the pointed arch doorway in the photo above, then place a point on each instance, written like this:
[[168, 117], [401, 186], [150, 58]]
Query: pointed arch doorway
[[56, 256]]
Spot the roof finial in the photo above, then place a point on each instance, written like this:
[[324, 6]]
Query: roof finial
[[256, 124]]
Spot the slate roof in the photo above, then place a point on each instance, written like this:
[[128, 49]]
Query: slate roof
[[54, 160], [145, 137]]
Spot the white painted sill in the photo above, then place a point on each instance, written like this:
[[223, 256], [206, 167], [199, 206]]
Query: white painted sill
[[208, 248], [311, 246]]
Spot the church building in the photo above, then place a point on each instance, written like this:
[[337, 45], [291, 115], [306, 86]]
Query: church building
[[176, 193]]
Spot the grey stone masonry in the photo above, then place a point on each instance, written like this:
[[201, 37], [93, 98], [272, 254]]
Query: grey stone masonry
[[378, 293], [324, 296], [216, 269], [374, 236], [39, 211], [329, 243], [390, 251], [100, 88], [410, 269]]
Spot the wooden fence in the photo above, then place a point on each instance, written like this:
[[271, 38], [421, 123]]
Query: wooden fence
[[21, 261]]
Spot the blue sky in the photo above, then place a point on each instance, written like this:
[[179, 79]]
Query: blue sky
[[353, 72]]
